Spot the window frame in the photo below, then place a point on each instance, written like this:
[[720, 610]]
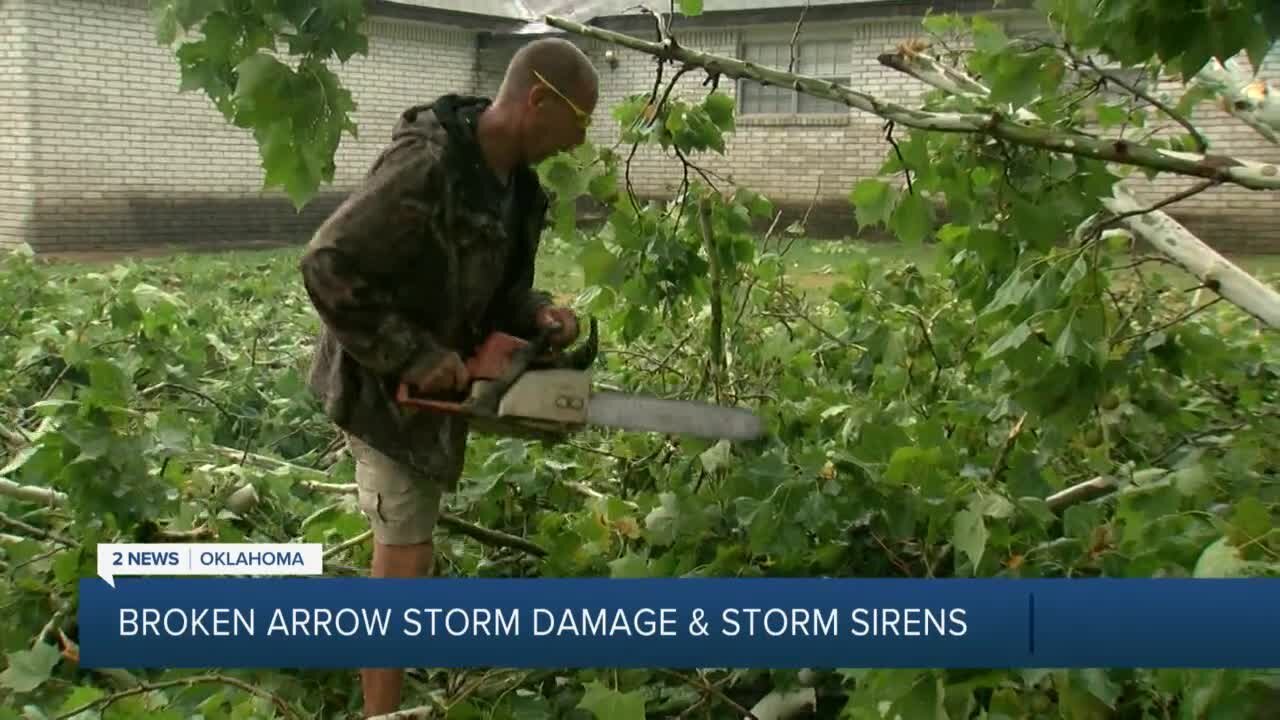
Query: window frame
[[845, 39]]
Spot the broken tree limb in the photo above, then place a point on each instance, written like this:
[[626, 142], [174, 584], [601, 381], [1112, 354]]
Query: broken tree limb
[[1251, 99], [494, 538], [285, 709], [1156, 227], [1246, 173], [1215, 271], [32, 494], [53, 498], [1079, 493], [931, 71]]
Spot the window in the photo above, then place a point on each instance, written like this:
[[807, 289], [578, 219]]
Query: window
[[824, 59]]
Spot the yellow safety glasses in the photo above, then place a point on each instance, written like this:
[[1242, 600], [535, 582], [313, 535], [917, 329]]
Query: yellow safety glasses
[[583, 118]]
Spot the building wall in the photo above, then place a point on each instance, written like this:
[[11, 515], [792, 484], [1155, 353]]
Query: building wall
[[804, 161], [124, 159], [99, 150], [16, 49]]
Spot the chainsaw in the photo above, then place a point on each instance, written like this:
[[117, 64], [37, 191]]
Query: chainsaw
[[523, 388]]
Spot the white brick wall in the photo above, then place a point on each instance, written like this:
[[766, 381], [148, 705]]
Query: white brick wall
[[97, 147], [125, 159], [15, 153]]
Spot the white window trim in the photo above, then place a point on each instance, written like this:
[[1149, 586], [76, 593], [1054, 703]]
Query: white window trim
[[779, 34]]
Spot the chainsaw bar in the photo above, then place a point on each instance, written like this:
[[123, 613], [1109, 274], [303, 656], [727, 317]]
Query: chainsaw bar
[[676, 417]]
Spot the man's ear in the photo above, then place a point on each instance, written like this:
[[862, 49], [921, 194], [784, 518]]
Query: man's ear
[[536, 97]]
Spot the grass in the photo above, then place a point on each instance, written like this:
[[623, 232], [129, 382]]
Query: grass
[[814, 265]]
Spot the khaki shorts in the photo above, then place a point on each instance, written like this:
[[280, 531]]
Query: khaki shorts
[[402, 505]]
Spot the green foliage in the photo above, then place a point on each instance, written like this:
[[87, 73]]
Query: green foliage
[[921, 418], [287, 97], [1184, 34]]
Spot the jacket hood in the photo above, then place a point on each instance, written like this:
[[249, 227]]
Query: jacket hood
[[449, 123], [451, 114]]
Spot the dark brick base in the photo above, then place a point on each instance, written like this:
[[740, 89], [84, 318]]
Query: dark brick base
[[133, 223]]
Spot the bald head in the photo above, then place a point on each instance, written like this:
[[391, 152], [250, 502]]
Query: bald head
[[559, 61]]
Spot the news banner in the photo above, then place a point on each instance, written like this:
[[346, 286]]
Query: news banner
[[259, 605]]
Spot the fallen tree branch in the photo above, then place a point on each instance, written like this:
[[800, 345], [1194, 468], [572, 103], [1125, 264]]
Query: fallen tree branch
[[1082, 492], [1246, 173], [708, 690], [53, 498], [717, 297], [1176, 197], [1089, 65], [1251, 99], [1158, 228], [348, 544], [493, 538], [490, 537], [931, 71], [32, 531], [32, 494], [1215, 271], [285, 709]]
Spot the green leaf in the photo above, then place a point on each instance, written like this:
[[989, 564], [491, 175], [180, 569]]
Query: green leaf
[[609, 704], [1111, 115], [1017, 79], [1098, 684], [599, 266], [165, 22], [873, 202], [190, 12], [988, 37], [912, 219], [691, 7], [970, 535], [719, 107], [1220, 560], [1251, 518], [630, 565], [717, 456], [29, 669], [261, 76], [1011, 340], [81, 695]]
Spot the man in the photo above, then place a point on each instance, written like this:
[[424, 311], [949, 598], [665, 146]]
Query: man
[[415, 269]]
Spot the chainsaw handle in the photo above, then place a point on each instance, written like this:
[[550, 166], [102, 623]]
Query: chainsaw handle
[[486, 403]]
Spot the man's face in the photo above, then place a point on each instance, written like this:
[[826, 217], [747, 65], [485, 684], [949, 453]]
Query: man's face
[[558, 119]]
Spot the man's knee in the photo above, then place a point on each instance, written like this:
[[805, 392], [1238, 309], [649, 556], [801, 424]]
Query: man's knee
[[402, 506]]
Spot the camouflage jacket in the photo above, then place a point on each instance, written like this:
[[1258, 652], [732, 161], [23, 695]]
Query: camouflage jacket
[[430, 255]]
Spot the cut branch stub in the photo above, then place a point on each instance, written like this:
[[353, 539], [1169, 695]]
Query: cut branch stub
[[1251, 99], [1246, 173]]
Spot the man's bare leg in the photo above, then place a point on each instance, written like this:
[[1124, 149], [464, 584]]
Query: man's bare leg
[[382, 687]]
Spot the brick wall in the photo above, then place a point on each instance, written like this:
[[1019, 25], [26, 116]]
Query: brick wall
[[124, 159], [15, 154], [99, 150], [799, 161]]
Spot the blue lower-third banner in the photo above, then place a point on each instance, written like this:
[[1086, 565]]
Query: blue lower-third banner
[[308, 622]]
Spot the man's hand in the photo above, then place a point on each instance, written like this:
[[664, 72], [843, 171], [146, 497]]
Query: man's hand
[[562, 320], [450, 374]]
